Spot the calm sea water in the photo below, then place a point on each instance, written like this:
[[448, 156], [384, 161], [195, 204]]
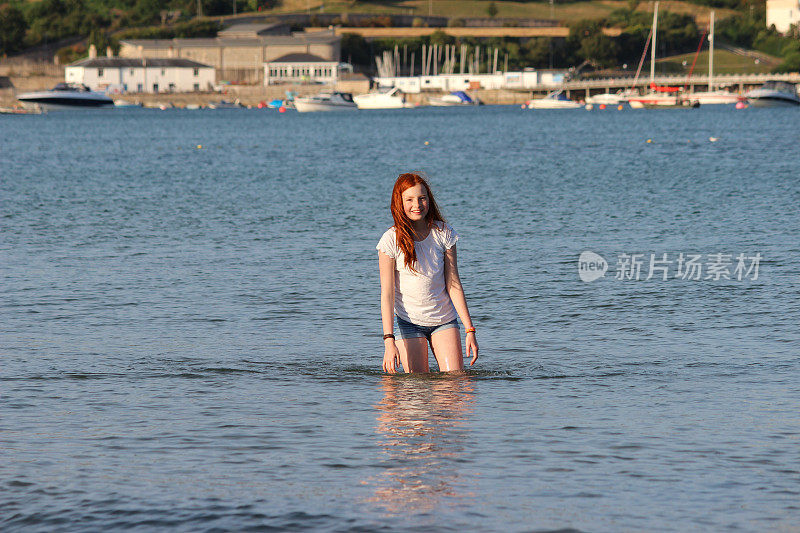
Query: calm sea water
[[190, 337]]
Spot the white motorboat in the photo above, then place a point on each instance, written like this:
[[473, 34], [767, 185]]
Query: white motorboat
[[773, 94], [617, 98], [326, 102], [554, 100], [456, 98], [719, 96], [391, 99], [66, 96]]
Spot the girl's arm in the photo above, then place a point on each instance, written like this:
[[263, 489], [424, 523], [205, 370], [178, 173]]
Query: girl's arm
[[386, 267], [456, 292]]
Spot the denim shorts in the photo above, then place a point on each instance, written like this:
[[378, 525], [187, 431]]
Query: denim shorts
[[407, 330]]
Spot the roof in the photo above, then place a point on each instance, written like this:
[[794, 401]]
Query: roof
[[236, 41], [124, 62], [255, 30], [301, 58]]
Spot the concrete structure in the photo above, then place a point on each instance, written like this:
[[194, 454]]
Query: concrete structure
[[355, 83], [783, 13], [526, 80], [239, 52], [300, 68], [412, 32], [121, 75]]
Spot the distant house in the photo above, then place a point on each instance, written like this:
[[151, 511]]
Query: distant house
[[783, 13], [128, 75], [240, 51], [301, 68]]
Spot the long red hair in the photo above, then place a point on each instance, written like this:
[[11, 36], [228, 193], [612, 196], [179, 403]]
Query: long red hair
[[402, 224]]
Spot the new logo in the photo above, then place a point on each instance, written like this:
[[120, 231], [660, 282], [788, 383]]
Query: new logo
[[591, 266]]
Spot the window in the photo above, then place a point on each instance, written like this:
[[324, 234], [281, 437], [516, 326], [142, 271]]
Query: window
[[196, 87], [155, 87], [196, 72], [99, 73], [124, 87], [139, 87], [163, 71], [131, 72], [171, 87]]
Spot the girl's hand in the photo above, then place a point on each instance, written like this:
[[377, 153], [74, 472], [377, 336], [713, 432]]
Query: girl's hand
[[472, 344], [391, 358]]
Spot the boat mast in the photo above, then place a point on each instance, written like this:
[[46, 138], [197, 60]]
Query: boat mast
[[711, 55], [653, 49]]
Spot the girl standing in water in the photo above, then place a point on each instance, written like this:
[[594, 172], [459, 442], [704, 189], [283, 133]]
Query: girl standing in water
[[420, 284]]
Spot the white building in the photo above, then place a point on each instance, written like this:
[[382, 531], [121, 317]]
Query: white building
[[783, 13], [301, 68], [528, 79], [142, 75]]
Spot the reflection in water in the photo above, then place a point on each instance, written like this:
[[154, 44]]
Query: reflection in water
[[421, 422]]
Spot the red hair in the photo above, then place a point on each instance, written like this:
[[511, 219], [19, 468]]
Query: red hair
[[403, 227]]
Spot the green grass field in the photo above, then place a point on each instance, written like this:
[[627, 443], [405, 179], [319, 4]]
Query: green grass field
[[724, 63], [566, 13]]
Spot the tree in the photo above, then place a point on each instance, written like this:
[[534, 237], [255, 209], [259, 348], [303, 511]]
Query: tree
[[12, 29], [491, 10]]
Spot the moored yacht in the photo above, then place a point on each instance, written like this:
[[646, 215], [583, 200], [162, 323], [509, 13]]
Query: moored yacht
[[456, 98], [554, 100], [334, 101], [391, 99], [774, 93], [66, 96]]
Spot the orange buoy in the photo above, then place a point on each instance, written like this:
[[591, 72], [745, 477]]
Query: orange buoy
[[620, 107], [602, 106], [281, 109]]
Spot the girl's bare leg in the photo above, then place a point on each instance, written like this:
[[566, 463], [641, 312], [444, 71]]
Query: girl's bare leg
[[446, 344], [414, 354]]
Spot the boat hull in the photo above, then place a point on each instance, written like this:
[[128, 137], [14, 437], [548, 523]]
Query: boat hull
[[714, 98], [771, 101], [306, 106], [605, 99], [545, 103], [65, 103], [379, 103], [443, 103]]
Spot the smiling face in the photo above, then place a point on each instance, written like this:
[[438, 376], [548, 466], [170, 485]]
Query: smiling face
[[415, 202]]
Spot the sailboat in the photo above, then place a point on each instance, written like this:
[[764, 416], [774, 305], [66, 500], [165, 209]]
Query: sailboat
[[720, 96], [659, 96]]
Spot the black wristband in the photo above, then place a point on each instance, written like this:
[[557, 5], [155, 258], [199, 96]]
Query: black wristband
[[388, 336]]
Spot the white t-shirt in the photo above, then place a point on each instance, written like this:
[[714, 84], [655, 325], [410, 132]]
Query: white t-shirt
[[421, 297]]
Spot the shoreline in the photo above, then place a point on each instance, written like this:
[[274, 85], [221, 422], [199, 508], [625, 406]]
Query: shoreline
[[248, 95]]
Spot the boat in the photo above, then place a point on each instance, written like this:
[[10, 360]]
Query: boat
[[660, 97], [333, 101], [126, 103], [391, 99], [554, 100], [66, 96], [224, 104], [774, 93], [711, 96], [32, 109], [456, 98], [620, 97]]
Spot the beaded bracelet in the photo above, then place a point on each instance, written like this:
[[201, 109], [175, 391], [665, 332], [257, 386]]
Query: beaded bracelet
[[470, 330]]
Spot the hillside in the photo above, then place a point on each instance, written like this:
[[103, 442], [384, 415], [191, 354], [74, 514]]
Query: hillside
[[564, 12], [29, 23]]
